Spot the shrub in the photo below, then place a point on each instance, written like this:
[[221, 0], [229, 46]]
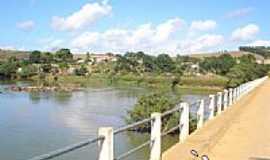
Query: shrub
[[149, 104]]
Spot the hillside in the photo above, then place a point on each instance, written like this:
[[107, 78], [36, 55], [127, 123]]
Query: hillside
[[236, 54], [4, 54]]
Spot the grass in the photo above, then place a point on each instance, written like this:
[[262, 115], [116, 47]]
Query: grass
[[195, 84]]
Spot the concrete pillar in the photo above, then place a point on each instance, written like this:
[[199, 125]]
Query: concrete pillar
[[230, 96], [106, 151], [226, 99], [184, 122], [212, 106], [234, 95], [155, 152], [219, 102], [200, 114], [238, 92]]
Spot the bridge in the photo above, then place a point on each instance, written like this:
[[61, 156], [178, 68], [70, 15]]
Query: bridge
[[231, 125]]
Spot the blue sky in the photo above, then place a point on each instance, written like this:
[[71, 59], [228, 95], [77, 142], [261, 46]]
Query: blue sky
[[153, 26]]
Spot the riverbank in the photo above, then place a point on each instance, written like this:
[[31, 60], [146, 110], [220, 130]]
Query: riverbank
[[191, 84]]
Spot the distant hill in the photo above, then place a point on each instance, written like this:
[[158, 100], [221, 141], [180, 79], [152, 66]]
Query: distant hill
[[232, 53], [5, 54]]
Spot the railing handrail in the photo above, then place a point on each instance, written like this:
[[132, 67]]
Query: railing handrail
[[67, 149]]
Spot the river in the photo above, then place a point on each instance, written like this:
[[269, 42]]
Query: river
[[36, 123]]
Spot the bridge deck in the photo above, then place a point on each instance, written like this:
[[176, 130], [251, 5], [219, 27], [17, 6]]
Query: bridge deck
[[241, 132]]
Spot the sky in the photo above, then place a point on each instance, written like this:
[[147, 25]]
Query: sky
[[153, 26]]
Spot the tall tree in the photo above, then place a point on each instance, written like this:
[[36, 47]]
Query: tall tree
[[35, 57], [64, 55], [165, 63]]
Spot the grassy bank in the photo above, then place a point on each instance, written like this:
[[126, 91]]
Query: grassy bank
[[196, 84]]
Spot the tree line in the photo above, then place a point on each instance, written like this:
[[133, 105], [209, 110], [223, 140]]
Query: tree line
[[237, 70], [260, 50]]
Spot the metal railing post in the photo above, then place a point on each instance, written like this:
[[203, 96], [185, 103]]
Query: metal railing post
[[184, 122], [219, 102], [200, 114], [212, 106], [106, 151], [225, 99], [155, 147]]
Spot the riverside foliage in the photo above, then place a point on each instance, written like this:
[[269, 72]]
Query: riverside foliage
[[137, 67]]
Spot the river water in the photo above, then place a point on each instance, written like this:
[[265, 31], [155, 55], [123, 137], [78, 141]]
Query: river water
[[36, 123]]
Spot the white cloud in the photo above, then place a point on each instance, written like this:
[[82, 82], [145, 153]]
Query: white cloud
[[239, 12], [203, 25], [245, 33], [86, 16], [145, 37], [260, 43], [51, 44], [26, 25], [7, 47], [202, 43]]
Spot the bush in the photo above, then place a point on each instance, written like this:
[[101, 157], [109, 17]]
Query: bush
[[28, 71], [156, 102], [148, 104], [82, 71]]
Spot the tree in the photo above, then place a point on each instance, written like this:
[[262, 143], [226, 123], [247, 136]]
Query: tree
[[27, 71], [63, 55], [35, 57], [260, 50], [46, 68], [87, 59], [245, 71], [47, 57], [165, 63], [82, 71], [148, 104], [218, 65], [8, 69], [247, 59]]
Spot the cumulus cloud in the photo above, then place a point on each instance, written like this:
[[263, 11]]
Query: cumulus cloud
[[201, 43], [239, 12], [203, 25], [144, 37], [87, 15], [26, 25], [245, 33], [260, 43]]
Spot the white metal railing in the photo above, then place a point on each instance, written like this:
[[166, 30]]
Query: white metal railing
[[217, 104]]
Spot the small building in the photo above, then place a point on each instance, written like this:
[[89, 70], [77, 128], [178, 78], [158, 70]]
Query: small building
[[102, 57], [95, 58]]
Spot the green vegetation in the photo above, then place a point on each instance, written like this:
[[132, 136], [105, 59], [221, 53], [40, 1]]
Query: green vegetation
[[146, 105], [260, 50], [156, 102], [237, 71], [218, 65], [133, 68], [245, 71]]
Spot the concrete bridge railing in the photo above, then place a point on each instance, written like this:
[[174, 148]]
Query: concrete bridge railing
[[217, 104]]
